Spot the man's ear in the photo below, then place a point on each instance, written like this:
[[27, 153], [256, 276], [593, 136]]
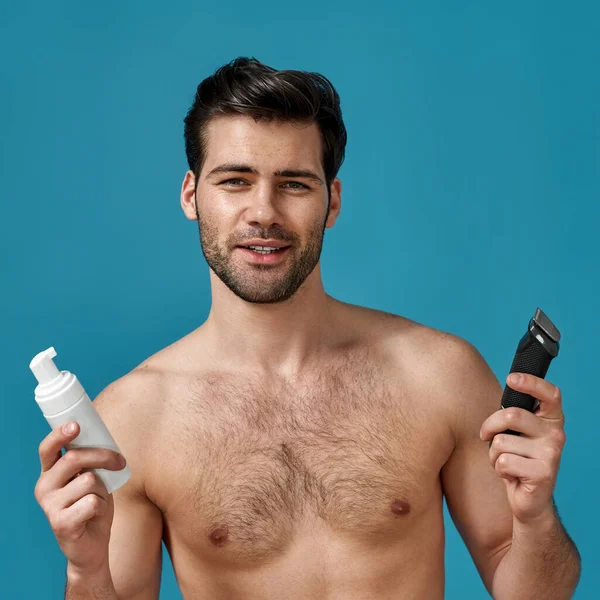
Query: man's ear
[[188, 196], [335, 203]]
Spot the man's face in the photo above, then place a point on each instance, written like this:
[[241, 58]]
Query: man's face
[[262, 184]]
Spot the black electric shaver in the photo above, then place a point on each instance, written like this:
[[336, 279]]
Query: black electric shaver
[[534, 354]]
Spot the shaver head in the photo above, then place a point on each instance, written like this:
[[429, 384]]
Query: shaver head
[[546, 325]]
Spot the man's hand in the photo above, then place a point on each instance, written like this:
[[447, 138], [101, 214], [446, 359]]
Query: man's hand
[[75, 501], [528, 463]]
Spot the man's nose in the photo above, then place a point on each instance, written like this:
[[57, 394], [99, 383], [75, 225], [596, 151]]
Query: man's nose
[[263, 206]]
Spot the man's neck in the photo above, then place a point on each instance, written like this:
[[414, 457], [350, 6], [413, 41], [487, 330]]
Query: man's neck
[[279, 338]]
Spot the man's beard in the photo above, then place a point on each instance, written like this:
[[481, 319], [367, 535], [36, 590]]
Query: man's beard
[[253, 282]]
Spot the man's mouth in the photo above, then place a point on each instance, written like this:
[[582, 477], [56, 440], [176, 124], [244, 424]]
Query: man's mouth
[[264, 249]]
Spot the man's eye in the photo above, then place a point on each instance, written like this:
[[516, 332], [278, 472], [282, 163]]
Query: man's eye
[[296, 185], [233, 182], [236, 182]]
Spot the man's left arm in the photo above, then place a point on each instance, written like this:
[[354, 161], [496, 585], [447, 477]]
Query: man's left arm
[[512, 531], [542, 561]]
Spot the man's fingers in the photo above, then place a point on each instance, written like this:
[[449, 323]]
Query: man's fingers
[[548, 394], [78, 459], [527, 470], [512, 444], [84, 484], [513, 418], [52, 444], [70, 522]]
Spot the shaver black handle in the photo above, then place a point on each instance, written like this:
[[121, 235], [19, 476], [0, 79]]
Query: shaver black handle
[[534, 354]]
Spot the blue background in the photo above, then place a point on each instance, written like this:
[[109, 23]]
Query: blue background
[[470, 197]]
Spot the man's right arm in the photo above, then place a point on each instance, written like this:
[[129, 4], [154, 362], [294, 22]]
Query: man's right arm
[[134, 563], [134, 568]]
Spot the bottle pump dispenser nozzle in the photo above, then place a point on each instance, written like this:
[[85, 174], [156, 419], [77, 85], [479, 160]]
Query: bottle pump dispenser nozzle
[[43, 366]]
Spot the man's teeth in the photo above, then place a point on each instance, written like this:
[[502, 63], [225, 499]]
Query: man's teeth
[[263, 249]]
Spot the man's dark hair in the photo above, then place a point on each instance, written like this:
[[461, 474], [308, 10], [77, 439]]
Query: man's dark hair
[[246, 86]]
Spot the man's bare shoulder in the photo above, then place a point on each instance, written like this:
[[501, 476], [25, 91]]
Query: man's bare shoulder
[[136, 399], [135, 392], [441, 362], [408, 338], [130, 407], [445, 370]]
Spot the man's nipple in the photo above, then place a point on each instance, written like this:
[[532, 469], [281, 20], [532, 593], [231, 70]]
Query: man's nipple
[[218, 536], [400, 507]]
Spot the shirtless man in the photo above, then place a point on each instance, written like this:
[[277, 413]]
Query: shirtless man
[[295, 447]]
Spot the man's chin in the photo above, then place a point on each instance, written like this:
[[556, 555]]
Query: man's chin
[[267, 294], [257, 294], [264, 301]]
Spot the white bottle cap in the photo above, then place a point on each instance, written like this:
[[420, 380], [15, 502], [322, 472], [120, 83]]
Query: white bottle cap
[[43, 366], [57, 390]]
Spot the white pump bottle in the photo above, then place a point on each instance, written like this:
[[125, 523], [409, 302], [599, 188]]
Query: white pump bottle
[[62, 398]]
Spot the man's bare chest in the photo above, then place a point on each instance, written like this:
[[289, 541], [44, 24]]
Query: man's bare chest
[[250, 463]]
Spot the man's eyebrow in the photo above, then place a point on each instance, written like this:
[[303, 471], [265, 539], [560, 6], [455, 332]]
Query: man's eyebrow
[[231, 168], [240, 168], [301, 173]]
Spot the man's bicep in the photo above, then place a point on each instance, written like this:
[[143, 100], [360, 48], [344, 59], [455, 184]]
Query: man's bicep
[[477, 503], [476, 496], [135, 547]]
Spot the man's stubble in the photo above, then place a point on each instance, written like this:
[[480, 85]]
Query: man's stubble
[[253, 282]]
